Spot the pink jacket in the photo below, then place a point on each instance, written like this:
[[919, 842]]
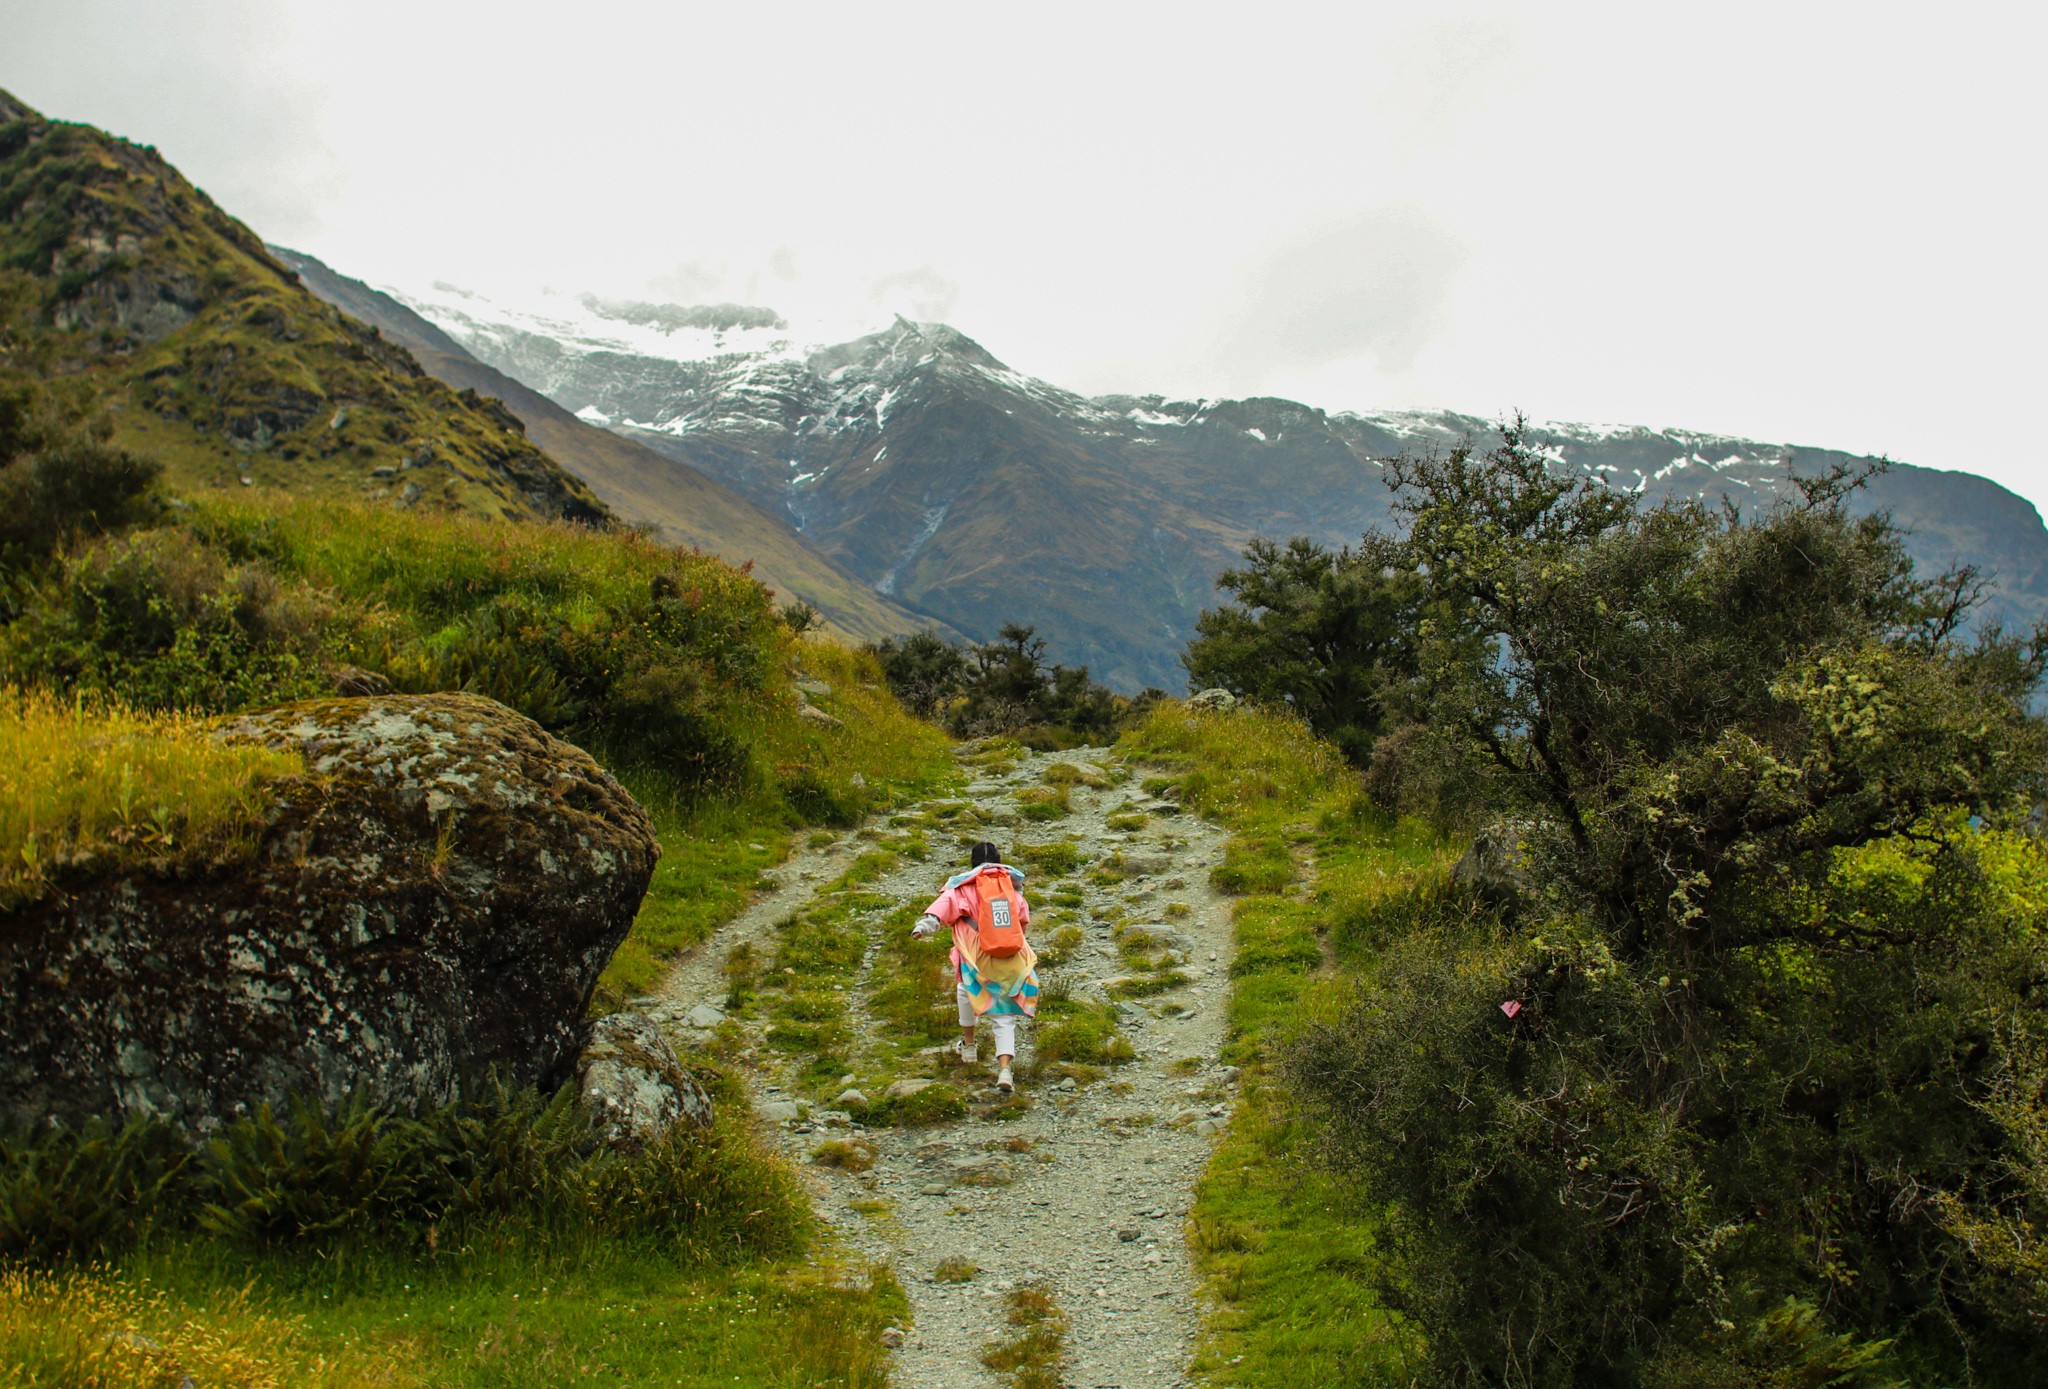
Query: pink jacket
[[955, 908]]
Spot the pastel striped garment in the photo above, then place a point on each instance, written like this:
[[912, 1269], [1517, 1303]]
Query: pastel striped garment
[[994, 984]]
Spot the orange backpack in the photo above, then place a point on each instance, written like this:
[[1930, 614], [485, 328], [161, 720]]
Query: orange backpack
[[998, 913]]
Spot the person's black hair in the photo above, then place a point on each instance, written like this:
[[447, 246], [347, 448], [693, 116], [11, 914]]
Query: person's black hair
[[983, 852]]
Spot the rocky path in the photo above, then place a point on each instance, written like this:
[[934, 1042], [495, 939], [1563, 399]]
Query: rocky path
[[1084, 1189]]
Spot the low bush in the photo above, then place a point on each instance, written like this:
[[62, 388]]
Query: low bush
[[361, 1175], [1004, 688]]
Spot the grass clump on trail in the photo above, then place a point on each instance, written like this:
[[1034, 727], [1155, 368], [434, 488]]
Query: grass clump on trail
[[88, 785], [1036, 1357]]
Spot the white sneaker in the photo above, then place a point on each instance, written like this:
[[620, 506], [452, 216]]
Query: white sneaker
[[1004, 1082], [969, 1053]]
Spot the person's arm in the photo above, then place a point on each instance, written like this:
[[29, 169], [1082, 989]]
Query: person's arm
[[944, 908]]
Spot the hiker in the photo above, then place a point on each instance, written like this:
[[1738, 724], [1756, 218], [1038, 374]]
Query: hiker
[[992, 962]]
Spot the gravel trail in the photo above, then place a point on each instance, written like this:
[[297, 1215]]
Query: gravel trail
[[1088, 1192]]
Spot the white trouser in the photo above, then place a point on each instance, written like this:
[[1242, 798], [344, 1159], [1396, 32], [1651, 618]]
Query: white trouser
[[1003, 1026]]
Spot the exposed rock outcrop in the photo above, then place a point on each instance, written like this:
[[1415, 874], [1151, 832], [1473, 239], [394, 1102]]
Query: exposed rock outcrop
[[1493, 865], [632, 1084], [435, 901]]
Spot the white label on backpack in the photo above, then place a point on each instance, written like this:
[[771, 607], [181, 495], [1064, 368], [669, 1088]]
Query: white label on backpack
[[999, 911]]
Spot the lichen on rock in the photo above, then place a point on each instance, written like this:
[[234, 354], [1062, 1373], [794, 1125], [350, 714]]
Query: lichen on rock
[[434, 902], [632, 1085]]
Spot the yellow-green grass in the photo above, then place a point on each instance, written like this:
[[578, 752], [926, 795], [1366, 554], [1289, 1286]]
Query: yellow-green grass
[[1287, 1259], [90, 783], [490, 1318], [95, 1328], [1040, 803]]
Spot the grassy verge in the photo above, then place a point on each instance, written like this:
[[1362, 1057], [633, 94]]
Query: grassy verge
[[496, 1319], [1284, 1256], [490, 1244]]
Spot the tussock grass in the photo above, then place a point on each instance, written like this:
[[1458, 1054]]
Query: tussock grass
[[1070, 1030], [1038, 1354], [853, 1154], [86, 782], [1066, 775], [1063, 941], [938, 1103], [1055, 858], [955, 1269], [1041, 803]]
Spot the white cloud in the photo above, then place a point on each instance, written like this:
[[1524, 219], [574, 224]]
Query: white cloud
[[1812, 222]]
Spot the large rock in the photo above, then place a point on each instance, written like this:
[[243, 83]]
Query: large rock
[[632, 1084], [1494, 867], [434, 902]]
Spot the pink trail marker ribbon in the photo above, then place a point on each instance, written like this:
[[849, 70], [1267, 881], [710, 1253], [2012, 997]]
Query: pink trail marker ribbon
[[1511, 1007]]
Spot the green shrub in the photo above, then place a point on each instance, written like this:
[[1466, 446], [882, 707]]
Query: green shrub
[[312, 1174], [89, 1193], [360, 1174]]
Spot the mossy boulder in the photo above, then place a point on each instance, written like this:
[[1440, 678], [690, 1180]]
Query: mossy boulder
[[433, 902]]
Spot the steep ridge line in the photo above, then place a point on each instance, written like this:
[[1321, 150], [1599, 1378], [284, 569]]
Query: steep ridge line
[[1083, 1186]]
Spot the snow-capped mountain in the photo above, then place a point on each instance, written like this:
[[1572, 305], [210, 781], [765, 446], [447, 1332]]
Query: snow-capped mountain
[[963, 489]]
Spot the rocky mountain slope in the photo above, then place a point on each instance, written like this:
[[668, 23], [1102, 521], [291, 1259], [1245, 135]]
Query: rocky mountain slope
[[642, 487], [921, 463], [214, 359]]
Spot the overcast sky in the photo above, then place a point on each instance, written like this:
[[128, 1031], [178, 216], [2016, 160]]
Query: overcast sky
[[1810, 223]]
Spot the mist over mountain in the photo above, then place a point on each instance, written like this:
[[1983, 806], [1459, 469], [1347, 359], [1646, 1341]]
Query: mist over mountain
[[915, 460]]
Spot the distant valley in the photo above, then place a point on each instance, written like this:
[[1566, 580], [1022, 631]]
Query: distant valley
[[916, 461]]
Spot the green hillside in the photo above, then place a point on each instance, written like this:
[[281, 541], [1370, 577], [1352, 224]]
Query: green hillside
[[212, 358]]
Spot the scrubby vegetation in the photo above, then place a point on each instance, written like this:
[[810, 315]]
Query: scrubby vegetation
[[480, 1244], [1735, 1075], [526, 1167], [1003, 687], [1036, 1355], [672, 668]]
